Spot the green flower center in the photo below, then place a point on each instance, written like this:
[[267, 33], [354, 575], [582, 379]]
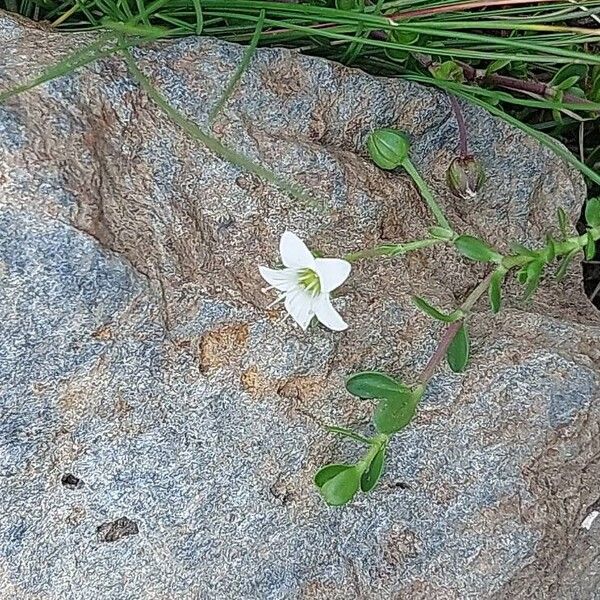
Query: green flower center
[[310, 281]]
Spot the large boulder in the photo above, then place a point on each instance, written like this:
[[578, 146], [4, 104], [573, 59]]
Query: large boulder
[[160, 427]]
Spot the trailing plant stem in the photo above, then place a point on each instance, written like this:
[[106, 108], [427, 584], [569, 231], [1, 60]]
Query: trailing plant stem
[[379, 441], [392, 249], [450, 331]]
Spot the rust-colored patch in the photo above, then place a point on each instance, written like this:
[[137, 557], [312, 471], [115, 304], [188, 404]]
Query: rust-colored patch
[[401, 543], [103, 333], [301, 391], [284, 78], [222, 346], [250, 380]]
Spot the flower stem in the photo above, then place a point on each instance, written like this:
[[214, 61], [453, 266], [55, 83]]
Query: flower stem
[[463, 146], [434, 207], [450, 332]]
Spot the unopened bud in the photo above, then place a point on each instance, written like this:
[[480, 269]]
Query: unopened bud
[[465, 176], [387, 148]]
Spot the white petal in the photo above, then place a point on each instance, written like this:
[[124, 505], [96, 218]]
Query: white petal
[[294, 253], [325, 312], [332, 272], [298, 303], [281, 279]]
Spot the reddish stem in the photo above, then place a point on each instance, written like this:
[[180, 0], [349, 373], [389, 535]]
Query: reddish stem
[[504, 81], [463, 145], [440, 352]]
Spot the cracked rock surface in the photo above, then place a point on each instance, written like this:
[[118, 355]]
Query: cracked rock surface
[[160, 427]]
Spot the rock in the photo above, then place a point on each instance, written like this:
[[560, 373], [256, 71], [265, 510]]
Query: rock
[[116, 530], [138, 352]]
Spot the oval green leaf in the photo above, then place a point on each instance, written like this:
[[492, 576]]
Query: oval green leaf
[[458, 351], [592, 212], [476, 249], [373, 384], [323, 475], [393, 414], [371, 476], [341, 488]]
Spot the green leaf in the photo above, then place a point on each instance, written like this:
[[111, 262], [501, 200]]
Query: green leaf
[[323, 475], [448, 71], [564, 265], [550, 249], [342, 487], [532, 282], [402, 38], [343, 431], [349, 4], [371, 476], [495, 290], [563, 221], [590, 247], [441, 233], [458, 351], [592, 212], [569, 73], [373, 384], [476, 249], [497, 65], [393, 414], [522, 250], [433, 312], [567, 83]]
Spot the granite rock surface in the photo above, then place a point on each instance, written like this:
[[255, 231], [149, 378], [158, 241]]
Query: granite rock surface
[[160, 426]]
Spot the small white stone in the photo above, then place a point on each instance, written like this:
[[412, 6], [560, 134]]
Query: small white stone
[[587, 522]]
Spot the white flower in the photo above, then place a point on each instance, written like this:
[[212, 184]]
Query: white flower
[[306, 283]]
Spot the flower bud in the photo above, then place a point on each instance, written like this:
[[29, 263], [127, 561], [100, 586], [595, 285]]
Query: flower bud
[[465, 176], [387, 148]]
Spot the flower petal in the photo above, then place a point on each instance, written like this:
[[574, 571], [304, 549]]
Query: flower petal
[[332, 272], [281, 279], [294, 253], [298, 303], [325, 312]]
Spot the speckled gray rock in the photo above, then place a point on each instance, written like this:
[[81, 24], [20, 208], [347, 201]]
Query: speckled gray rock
[[160, 427]]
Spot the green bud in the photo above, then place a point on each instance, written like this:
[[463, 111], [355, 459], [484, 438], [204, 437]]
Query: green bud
[[387, 148], [465, 177]]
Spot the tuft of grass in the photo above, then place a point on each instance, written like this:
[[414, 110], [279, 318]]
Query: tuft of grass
[[535, 64]]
